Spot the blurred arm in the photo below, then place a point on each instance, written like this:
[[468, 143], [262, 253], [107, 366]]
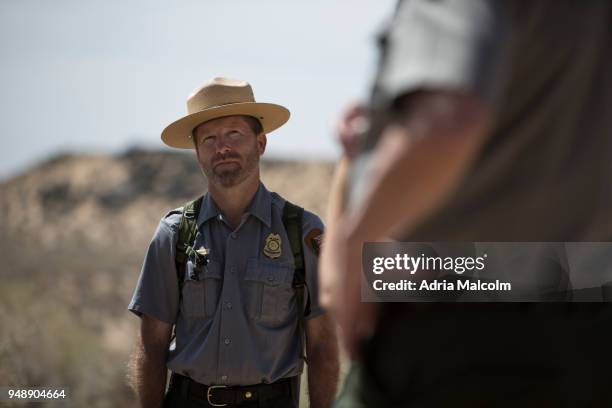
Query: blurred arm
[[350, 131], [338, 191], [421, 158]]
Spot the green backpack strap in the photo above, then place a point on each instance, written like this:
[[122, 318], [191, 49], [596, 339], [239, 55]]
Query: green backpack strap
[[188, 229], [292, 221]]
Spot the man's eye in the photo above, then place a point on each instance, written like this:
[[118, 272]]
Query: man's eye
[[208, 139], [235, 135]]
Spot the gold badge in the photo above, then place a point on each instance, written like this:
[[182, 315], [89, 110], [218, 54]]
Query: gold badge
[[272, 249]]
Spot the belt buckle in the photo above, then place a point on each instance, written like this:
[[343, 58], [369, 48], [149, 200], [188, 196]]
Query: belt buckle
[[208, 395]]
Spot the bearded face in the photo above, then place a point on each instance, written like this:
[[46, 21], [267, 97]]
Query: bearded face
[[228, 150], [231, 168]]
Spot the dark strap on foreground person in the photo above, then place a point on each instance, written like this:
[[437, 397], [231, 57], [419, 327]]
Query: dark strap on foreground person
[[183, 390]]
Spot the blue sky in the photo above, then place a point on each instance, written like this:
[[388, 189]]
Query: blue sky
[[101, 76]]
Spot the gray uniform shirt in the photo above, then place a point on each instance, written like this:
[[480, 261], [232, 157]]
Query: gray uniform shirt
[[544, 173], [237, 323]]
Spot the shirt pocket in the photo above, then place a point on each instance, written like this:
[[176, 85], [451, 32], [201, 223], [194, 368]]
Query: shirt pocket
[[269, 291], [201, 289]]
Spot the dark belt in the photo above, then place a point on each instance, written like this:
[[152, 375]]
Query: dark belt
[[222, 395]]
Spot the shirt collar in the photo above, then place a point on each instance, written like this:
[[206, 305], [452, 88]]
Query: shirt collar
[[208, 210], [260, 207]]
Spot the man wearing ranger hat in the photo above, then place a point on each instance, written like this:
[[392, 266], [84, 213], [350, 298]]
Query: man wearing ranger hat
[[234, 273]]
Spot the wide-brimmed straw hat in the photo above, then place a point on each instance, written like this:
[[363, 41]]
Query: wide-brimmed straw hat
[[217, 98]]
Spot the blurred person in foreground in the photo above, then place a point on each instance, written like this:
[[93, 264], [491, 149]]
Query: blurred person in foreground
[[240, 286], [488, 121]]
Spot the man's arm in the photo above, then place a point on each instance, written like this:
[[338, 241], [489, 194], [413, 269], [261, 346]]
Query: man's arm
[[148, 365], [323, 363], [420, 159], [422, 156]]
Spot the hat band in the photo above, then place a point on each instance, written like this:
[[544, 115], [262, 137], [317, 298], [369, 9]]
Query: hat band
[[221, 105]]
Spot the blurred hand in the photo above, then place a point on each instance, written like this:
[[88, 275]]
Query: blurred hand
[[351, 129]]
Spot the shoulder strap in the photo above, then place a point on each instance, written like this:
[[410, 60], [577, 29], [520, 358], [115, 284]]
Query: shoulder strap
[[188, 229], [292, 221]]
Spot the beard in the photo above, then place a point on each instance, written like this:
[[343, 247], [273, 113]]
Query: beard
[[234, 173]]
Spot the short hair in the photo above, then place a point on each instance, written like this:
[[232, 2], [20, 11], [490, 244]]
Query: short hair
[[252, 121]]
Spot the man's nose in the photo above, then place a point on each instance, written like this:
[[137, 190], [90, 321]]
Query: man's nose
[[222, 146]]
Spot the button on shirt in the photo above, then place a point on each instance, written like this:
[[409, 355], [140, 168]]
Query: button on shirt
[[236, 318]]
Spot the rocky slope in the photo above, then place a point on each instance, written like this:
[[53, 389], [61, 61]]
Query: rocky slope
[[73, 232], [117, 201]]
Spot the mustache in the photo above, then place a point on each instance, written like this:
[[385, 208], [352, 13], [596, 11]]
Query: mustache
[[224, 156]]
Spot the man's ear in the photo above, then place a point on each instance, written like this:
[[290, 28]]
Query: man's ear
[[195, 147], [194, 139], [262, 140]]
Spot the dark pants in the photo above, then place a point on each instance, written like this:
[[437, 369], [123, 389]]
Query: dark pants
[[484, 355]]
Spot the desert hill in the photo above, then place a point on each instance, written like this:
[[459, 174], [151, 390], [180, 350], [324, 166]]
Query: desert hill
[[118, 200], [73, 231]]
